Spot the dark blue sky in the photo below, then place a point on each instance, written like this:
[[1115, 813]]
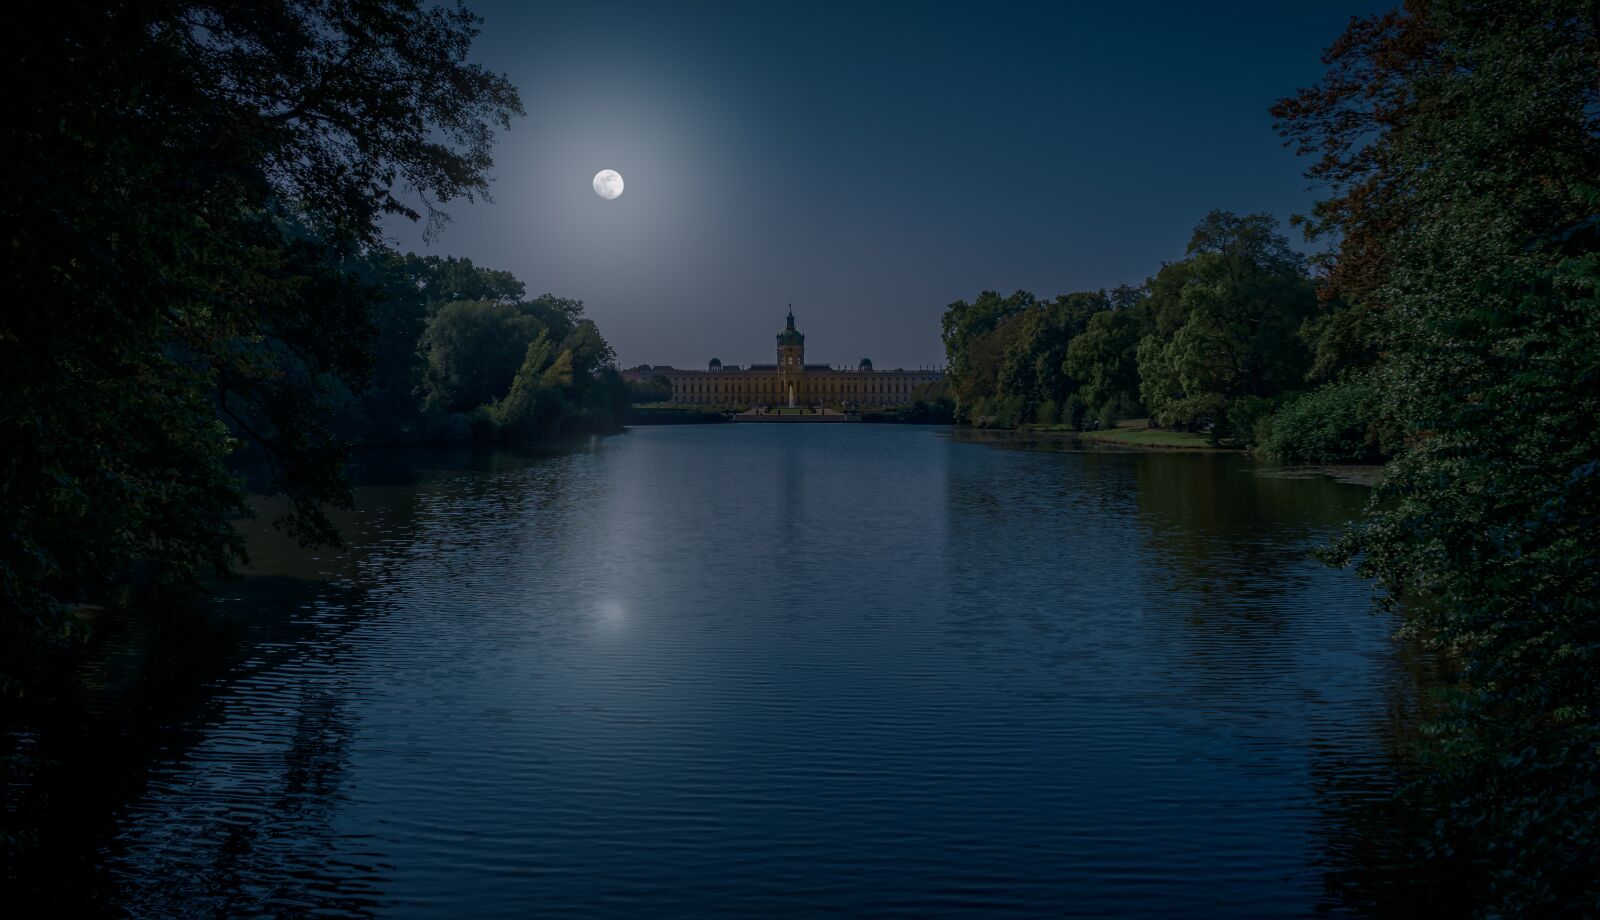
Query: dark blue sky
[[871, 162]]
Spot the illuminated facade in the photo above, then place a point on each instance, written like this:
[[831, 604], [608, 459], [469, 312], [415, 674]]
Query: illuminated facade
[[791, 381]]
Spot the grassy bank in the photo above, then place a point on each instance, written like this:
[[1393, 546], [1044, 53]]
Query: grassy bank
[[1135, 433], [1153, 437]]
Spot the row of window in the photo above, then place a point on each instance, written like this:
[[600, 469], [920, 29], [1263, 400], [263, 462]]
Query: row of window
[[765, 391], [821, 388]]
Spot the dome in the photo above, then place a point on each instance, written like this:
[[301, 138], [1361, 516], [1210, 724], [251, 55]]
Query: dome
[[716, 364], [865, 365], [789, 335]]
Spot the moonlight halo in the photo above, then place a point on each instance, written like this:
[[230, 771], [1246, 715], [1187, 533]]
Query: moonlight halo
[[608, 184]]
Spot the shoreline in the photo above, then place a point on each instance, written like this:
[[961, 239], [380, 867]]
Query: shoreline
[[1173, 442], [1359, 474]]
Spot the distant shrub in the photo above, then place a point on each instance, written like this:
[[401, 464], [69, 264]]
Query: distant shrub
[[1194, 413], [657, 389], [1245, 422], [1048, 413], [1116, 409], [1075, 412], [1009, 411], [936, 412], [1330, 424]]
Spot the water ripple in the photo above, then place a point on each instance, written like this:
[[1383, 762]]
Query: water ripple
[[746, 670]]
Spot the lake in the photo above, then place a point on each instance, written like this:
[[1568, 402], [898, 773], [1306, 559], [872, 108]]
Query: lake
[[748, 670]]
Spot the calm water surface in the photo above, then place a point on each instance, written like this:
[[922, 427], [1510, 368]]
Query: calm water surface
[[747, 670]]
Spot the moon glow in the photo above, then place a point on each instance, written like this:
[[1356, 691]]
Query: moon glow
[[608, 184]]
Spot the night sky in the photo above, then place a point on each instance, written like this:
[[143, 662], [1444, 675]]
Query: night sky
[[871, 163]]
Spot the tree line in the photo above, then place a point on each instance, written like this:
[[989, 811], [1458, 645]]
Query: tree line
[[1453, 328], [1460, 143], [460, 353], [1232, 339], [197, 270]]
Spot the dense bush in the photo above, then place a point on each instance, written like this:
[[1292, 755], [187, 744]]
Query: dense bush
[[193, 185], [1245, 420], [999, 412], [1008, 355], [1462, 141], [922, 412], [1075, 412], [1048, 413], [1222, 324], [1331, 424], [656, 388]]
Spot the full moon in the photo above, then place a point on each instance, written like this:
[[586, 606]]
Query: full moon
[[608, 183]]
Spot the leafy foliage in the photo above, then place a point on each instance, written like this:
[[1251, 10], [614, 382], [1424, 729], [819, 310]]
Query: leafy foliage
[[409, 290], [1331, 424], [972, 354], [1105, 357], [1226, 321], [1012, 353], [1224, 324], [656, 388], [530, 368], [196, 181], [472, 349], [930, 403], [1463, 139], [563, 384]]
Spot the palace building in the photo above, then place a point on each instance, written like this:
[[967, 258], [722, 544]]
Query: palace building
[[791, 381]]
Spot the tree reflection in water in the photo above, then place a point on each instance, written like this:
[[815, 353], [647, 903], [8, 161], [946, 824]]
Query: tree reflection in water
[[1112, 678], [1224, 587]]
